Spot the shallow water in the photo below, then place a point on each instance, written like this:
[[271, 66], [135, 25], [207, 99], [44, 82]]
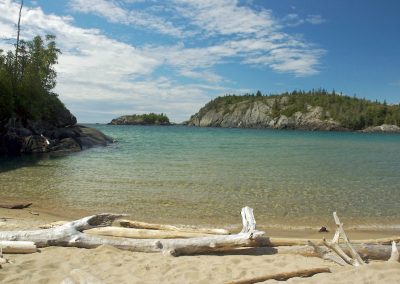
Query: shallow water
[[205, 175]]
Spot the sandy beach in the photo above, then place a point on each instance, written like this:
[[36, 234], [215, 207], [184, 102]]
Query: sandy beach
[[110, 265]]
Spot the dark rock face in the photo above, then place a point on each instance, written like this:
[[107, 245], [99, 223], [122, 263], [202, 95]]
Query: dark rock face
[[18, 136]]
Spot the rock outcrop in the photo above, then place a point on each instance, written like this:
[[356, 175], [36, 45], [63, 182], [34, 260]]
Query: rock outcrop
[[384, 128], [18, 136], [260, 114]]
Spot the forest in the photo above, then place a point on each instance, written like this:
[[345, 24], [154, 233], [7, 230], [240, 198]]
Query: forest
[[27, 78]]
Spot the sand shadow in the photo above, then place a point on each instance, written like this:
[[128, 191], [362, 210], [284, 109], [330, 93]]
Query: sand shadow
[[245, 251]]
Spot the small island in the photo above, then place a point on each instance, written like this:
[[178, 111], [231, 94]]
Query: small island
[[141, 119]]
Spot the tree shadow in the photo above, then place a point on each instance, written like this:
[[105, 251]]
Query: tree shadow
[[10, 163]]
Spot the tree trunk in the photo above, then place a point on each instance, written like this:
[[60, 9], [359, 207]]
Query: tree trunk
[[142, 233], [71, 234], [17, 247], [18, 33], [143, 225]]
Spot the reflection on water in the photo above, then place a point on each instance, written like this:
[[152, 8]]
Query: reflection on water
[[193, 175]]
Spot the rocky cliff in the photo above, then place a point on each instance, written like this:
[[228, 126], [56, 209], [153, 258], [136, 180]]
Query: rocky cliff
[[259, 114], [305, 111]]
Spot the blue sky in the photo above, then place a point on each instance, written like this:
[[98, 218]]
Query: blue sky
[[172, 56]]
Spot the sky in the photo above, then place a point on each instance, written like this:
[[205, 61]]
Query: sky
[[173, 56]]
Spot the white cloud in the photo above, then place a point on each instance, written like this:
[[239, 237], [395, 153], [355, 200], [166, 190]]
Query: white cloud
[[116, 78], [315, 19], [253, 35], [237, 32], [226, 17], [94, 68], [115, 13], [294, 20]]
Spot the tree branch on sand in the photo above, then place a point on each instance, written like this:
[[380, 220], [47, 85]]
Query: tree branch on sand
[[73, 234]]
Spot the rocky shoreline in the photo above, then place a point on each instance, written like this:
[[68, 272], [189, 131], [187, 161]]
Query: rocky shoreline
[[25, 137], [260, 114]]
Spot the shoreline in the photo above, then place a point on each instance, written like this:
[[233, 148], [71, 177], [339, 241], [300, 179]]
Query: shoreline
[[107, 264], [36, 215]]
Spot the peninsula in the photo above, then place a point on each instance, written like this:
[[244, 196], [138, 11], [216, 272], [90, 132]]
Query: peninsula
[[141, 119], [313, 110], [32, 117]]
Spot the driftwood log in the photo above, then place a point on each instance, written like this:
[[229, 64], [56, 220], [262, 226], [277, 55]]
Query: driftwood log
[[71, 234], [149, 226], [15, 206], [17, 247], [142, 233], [282, 276], [350, 254]]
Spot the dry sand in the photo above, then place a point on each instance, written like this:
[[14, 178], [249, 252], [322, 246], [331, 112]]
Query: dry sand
[[110, 265]]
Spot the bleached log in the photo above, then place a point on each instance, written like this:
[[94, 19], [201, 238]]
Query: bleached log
[[324, 253], [71, 234], [372, 252], [394, 256], [277, 242], [339, 251], [150, 226], [63, 235], [17, 247], [354, 254], [355, 258], [248, 220], [282, 276], [142, 233]]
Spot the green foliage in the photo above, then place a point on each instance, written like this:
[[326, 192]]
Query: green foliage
[[149, 118], [276, 108], [26, 82], [350, 112]]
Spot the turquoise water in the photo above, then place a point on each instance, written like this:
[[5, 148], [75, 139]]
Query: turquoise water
[[205, 175]]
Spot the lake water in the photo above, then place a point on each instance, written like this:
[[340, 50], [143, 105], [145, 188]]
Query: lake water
[[205, 175]]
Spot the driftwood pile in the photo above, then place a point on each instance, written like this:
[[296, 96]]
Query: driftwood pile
[[96, 230]]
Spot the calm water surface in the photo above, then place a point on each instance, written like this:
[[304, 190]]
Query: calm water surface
[[205, 175]]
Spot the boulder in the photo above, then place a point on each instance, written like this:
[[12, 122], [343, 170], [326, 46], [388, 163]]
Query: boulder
[[66, 145], [35, 144], [17, 137], [90, 137], [386, 128]]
